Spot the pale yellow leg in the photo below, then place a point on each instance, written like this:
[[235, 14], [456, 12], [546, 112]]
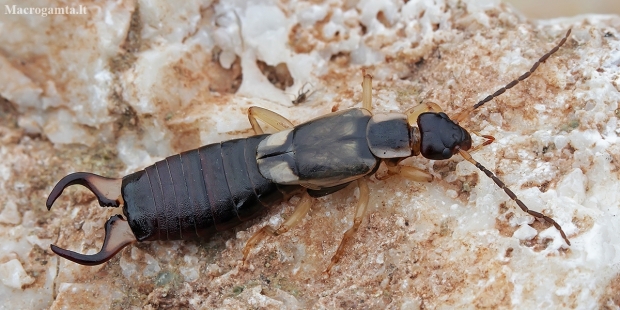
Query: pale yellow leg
[[367, 91], [360, 211], [300, 211], [273, 119], [411, 173]]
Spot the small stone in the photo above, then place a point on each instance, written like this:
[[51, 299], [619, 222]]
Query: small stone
[[13, 274], [9, 214]]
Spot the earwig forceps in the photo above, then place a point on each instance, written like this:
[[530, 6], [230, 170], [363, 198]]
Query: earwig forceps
[[118, 234]]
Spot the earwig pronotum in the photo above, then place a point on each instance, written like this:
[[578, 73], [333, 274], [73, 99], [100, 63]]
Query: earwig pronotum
[[218, 186]]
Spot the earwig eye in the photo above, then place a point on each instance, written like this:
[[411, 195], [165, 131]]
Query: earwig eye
[[447, 153]]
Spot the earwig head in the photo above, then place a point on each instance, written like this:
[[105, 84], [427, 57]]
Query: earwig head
[[440, 137], [118, 233]]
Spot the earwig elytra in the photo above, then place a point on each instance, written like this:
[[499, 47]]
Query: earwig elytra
[[218, 186]]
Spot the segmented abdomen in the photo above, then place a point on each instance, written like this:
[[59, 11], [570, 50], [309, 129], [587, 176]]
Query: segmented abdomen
[[198, 192]]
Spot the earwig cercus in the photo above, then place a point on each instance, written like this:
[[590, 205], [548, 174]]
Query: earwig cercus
[[218, 186], [118, 234]]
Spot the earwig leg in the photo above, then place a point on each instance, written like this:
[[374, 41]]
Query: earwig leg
[[107, 190], [360, 211], [427, 106], [367, 91], [411, 173], [274, 119], [512, 195], [118, 235], [300, 212]]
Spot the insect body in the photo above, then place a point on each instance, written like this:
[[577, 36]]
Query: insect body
[[218, 186], [302, 95]]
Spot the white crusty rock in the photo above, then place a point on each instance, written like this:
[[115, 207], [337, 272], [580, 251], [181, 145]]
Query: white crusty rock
[[131, 82], [13, 274]]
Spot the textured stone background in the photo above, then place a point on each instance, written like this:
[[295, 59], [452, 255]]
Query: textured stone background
[[564, 8], [131, 82]]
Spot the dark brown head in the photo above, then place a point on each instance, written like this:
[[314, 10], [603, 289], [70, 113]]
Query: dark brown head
[[440, 137]]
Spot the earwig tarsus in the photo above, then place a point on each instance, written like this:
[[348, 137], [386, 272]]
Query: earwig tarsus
[[218, 186]]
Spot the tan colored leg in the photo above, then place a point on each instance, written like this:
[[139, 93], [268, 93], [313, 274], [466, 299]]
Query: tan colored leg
[[300, 211], [411, 173], [273, 119], [360, 211], [367, 91], [428, 106]]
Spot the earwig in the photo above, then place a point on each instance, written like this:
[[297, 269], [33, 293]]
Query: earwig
[[218, 186]]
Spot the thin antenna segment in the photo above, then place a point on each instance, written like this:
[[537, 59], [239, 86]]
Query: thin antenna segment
[[461, 116], [512, 195]]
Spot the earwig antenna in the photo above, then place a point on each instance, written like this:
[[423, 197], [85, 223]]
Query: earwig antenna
[[512, 195], [461, 116]]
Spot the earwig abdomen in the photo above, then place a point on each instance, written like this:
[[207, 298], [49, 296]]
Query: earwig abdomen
[[142, 215], [195, 193]]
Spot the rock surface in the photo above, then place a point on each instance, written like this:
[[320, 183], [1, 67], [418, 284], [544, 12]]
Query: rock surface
[[131, 82]]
